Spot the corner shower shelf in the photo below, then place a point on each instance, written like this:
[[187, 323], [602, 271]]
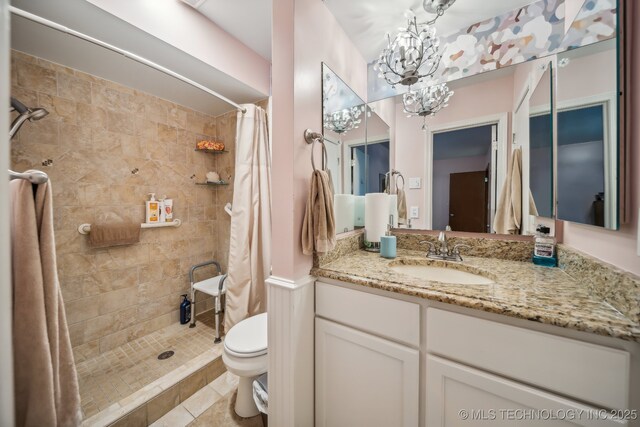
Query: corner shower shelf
[[213, 183], [211, 151], [86, 228]]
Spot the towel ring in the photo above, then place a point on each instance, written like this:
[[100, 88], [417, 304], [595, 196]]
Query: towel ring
[[399, 176], [312, 138]]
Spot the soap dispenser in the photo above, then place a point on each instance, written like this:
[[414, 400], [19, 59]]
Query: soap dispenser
[[388, 244], [544, 250], [153, 210]]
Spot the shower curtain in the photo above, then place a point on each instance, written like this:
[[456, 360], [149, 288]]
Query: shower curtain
[[46, 384], [250, 242]]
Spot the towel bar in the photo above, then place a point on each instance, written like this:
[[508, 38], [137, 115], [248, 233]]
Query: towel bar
[[86, 228]]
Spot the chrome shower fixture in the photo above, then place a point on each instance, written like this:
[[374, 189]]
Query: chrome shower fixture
[[24, 114]]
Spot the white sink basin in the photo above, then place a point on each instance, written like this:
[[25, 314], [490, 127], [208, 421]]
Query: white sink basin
[[442, 275]]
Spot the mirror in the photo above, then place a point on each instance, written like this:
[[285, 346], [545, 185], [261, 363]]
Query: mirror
[[541, 146], [344, 125], [588, 135]]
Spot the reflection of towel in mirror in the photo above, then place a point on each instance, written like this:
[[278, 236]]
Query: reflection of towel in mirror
[[402, 207], [319, 225], [508, 217]]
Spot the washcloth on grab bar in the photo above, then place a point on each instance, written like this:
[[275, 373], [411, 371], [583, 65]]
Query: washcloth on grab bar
[[118, 234], [319, 225]]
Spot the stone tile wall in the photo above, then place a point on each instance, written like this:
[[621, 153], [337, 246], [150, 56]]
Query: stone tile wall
[[105, 146]]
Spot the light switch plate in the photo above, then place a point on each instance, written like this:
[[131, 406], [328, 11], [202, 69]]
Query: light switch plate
[[415, 183], [414, 212]]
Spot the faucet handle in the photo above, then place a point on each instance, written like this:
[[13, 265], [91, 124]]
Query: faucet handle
[[432, 246], [460, 245]]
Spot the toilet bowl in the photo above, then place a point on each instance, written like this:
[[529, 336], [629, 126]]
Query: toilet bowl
[[245, 355]]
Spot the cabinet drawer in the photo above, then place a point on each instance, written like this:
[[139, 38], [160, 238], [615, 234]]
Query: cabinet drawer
[[386, 317], [460, 396], [589, 372]]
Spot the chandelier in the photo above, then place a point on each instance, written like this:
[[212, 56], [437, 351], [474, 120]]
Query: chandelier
[[342, 121], [426, 101], [414, 52]]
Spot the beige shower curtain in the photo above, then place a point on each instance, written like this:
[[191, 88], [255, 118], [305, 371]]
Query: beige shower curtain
[[250, 243], [46, 384]]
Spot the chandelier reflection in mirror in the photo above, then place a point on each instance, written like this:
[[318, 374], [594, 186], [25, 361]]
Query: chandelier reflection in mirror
[[413, 54], [426, 101], [342, 121]]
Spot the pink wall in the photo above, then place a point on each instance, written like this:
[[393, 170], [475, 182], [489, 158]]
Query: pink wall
[[472, 101], [305, 34], [200, 37], [618, 247]]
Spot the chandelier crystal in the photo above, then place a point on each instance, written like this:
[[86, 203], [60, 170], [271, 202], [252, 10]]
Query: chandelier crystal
[[342, 121], [426, 101], [411, 56]]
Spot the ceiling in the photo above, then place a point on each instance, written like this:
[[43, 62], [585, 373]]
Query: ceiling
[[366, 22], [44, 42], [247, 20]]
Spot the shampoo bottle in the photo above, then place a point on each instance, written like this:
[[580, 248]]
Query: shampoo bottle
[[185, 310], [161, 209], [168, 209], [153, 210]]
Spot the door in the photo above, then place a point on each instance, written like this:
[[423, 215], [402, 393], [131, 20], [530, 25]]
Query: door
[[364, 380], [458, 395], [468, 200]]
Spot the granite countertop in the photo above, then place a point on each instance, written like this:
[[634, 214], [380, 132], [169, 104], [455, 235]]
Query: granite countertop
[[521, 289]]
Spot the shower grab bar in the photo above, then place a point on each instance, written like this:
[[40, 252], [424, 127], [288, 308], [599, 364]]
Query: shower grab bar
[[33, 176], [86, 228], [125, 53]]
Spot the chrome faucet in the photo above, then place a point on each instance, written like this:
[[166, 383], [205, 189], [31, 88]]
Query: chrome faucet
[[443, 252]]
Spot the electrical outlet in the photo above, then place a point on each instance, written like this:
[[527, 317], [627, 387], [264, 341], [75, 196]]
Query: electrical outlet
[[414, 183], [414, 212]]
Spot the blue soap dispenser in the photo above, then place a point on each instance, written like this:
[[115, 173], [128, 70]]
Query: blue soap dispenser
[[388, 245]]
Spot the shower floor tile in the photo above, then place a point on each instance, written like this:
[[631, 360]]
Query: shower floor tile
[[116, 374]]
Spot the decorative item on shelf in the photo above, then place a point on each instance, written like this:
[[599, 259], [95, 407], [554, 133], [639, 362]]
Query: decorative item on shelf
[[344, 120], [215, 146], [213, 176], [426, 101]]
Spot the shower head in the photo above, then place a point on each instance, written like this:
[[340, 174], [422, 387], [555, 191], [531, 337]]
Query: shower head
[[25, 114]]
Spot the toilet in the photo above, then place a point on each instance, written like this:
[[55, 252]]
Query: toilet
[[245, 355]]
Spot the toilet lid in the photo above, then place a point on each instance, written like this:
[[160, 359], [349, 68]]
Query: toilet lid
[[248, 337]]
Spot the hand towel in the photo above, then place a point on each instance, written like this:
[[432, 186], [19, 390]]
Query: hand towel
[[46, 384], [319, 226], [402, 207], [509, 212], [107, 235]]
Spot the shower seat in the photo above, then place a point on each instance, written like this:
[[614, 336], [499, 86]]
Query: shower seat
[[213, 286]]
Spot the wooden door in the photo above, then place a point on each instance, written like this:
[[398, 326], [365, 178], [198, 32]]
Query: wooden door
[[364, 380], [468, 199]]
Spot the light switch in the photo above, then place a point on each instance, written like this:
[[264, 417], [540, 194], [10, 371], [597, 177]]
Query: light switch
[[414, 212], [414, 183]]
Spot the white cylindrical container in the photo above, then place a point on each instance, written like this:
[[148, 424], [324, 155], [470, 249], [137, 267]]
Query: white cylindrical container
[[376, 216], [393, 210], [358, 211], [343, 207]]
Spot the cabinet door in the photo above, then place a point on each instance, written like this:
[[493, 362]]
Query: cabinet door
[[363, 380], [458, 395]]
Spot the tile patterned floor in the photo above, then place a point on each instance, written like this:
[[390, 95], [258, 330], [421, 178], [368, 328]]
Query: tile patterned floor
[[118, 373], [212, 405]]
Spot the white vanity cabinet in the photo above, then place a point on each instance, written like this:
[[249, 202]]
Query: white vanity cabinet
[[363, 378], [382, 360]]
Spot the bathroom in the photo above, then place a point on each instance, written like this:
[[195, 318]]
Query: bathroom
[[441, 323]]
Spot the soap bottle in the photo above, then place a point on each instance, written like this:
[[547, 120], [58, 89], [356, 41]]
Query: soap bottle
[[168, 209], [544, 249], [185, 310], [161, 211], [153, 210], [388, 244]]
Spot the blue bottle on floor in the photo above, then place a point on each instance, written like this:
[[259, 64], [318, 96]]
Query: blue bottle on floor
[[185, 310]]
